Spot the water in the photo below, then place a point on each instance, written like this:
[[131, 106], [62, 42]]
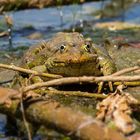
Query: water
[[132, 15], [47, 17], [48, 20]]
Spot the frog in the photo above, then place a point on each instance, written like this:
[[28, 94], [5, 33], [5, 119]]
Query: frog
[[69, 54]]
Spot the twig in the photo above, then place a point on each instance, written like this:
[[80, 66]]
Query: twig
[[123, 71], [131, 84], [75, 93], [9, 22], [15, 68], [24, 117], [89, 79], [69, 80], [3, 34]]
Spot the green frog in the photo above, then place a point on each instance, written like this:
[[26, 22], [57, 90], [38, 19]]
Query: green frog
[[69, 54]]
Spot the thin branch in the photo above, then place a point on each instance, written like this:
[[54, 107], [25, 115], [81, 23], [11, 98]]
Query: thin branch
[[75, 93], [15, 68], [123, 71], [131, 84], [88, 79], [3, 34], [69, 80], [24, 117]]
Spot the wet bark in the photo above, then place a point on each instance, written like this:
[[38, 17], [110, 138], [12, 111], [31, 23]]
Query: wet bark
[[52, 114]]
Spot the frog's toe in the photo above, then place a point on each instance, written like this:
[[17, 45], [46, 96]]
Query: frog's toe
[[100, 86], [110, 86]]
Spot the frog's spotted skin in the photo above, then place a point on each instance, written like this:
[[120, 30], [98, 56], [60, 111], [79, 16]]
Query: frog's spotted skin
[[69, 54]]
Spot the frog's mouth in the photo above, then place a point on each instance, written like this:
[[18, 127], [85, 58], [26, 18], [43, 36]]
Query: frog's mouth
[[74, 67]]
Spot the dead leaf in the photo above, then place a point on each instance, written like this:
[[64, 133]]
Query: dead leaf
[[6, 94], [117, 108]]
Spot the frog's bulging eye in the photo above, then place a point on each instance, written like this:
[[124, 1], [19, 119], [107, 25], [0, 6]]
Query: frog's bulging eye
[[87, 47], [62, 48]]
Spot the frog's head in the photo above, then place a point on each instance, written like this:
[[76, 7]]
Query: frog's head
[[71, 55]]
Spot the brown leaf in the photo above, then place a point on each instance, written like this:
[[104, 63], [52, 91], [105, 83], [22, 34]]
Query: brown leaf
[[6, 94], [116, 108]]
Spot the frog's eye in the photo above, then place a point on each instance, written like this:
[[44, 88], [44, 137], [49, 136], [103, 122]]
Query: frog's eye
[[62, 48], [87, 47]]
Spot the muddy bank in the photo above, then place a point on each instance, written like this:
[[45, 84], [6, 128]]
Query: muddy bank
[[7, 5]]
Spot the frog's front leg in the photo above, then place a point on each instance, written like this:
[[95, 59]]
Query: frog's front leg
[[108, 67], [106, 64], [40, 69]]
